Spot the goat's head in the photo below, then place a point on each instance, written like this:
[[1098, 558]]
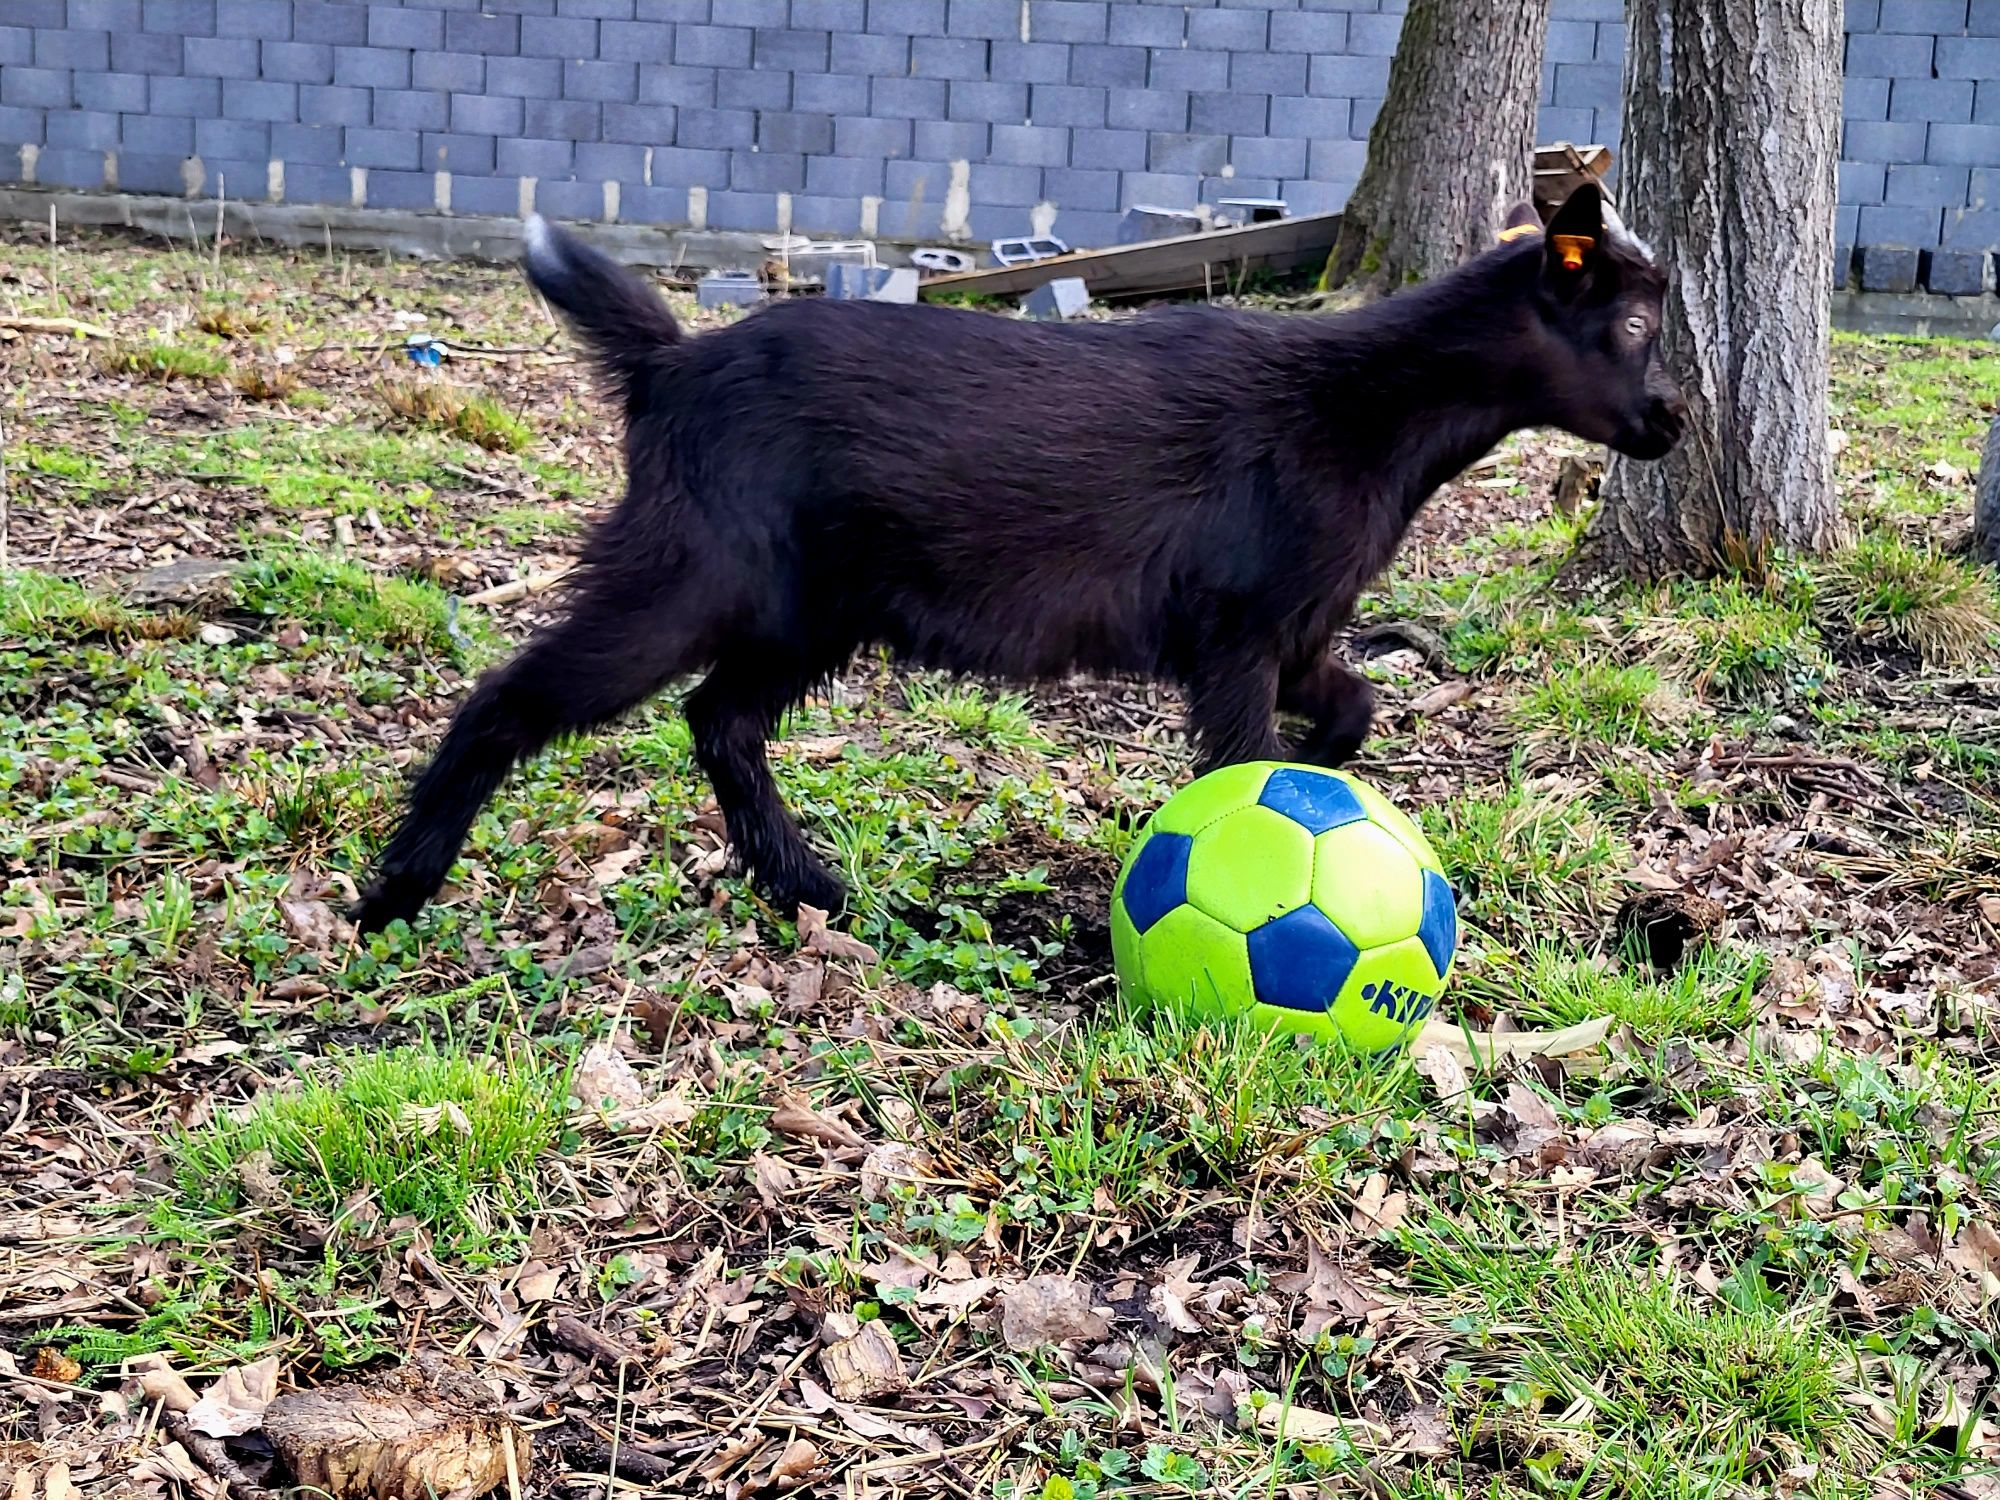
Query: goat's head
[[1596, 336]]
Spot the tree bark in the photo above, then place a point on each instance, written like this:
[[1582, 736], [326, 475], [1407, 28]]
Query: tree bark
[[1986, 500], [1732, 124], [1453, 148]]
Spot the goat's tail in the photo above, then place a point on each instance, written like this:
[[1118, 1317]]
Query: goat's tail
[[621, 318]]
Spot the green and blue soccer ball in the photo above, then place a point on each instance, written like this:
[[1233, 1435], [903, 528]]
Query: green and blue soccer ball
[[1296, 895]]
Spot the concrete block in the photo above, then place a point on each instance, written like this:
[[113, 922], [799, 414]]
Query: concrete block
[[60, 166], [1108, 150], [679, 168], [1030, 62], [106, 15], [1929, 17], [1374, 35], [1030, 145], [396, 150], [1875, 55], [405, 26], [1078, 188], [1587, 86], [163, 135], [921, 183], [371, 67], [1108, 66], [830, 93], [91, 129], [606, 82], [792, 51], [1229, 30], [1863, 182], [216, 57], [453, 72], [1066, 104], [669, 83], [1349, 77], [1971, 229], [672, 10], [1058, 301], [1268, 156], [1146, 109], [478, 31], [1862, 15], [752, 88], [296, 62], [1309, 31], [332, 21], [860, 135], [907, 17], [522, 156], [992, 19], [705, 46], [655, 41], [1882, 140], [1928, 186], [844, 176], [877, 56], [1311, 119], [1182, 152], [787, 131], [1984, 20], [1145, 26], [949, 141], [411, 109], [1159, 190], [525, 77], [1151, 222], [1887, 268], [242, 140], [329, 105], [1069, 20], [1082, 228], [716, 129], [1967, 145], [563, 119], [558, 36], [412, 192], [986, 102], [766, 172], [147, 172], [618, 160], [499, 196], [266, 20], [948, 56], [1902, 228], [81, 49], [116, 92], [28, 127], [813, 214], [183, 18], [1611, 42], [1985, 188], [849, 283], [1229, 114], [910, 98], [1337, 161], [309, 183], [758, 211], [146, 52], [25, 13], [1192, 68], [321, 145], [1572, 42], [1933, 100], [253, 99], [1008, 186], [1864, 98], [1959, 273], [17, 47], [1986, 102], [1268, 73], [1361, 120], [570, 200], [486, 114], [826, 15]]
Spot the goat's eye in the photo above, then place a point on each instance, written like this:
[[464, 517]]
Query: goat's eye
[[1636, 326]]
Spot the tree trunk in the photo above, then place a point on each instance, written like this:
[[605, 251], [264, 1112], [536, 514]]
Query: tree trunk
[[1986, 500], [1732, 126], [1453, 148]]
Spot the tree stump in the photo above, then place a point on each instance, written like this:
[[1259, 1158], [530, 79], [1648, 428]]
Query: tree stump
[[427, 1431], [1986, 500]]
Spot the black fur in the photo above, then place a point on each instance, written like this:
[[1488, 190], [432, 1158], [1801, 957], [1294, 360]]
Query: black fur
[[1195, 494]]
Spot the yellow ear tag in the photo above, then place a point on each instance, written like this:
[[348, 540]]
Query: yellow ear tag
[[1572, 248], [1519, 231]]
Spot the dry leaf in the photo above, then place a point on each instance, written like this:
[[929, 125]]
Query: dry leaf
[[772, 1177], [1302, 1424], [538, 1283], [798, 1119], [1441, 697], [797, 1462], [1485, 1049], [311, 922], [171, 1464], [1378, 1210], [1169, 1299], [604, 1079], [865, 1366], [893, 1164], [1446, 1074], [1049, 1310], [161, 1382], [816, 937], [235, 1404], [611, 869]]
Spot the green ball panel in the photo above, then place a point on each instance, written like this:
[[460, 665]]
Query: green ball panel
[[1367, 882], [1381, 810], [1196, 966], [1125, 955], [1202, 801], [1388, 997], [1250, 866]]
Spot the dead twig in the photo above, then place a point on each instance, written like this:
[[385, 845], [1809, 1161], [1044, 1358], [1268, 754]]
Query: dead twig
[[520, 588], [54, 325], [213, 1456]]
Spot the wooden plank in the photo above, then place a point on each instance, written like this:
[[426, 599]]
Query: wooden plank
[[1182, 263]]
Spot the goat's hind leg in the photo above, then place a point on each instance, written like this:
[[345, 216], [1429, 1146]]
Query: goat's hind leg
[[605, 658], [733, 715], [1232, 701], [1341, 705]]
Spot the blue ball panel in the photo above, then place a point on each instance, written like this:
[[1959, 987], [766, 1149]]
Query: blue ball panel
[[1301, 960], [1319, 802], [1440, 925], [1158, 879]]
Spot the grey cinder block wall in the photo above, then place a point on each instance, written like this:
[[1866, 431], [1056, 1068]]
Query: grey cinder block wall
[[904, 119]]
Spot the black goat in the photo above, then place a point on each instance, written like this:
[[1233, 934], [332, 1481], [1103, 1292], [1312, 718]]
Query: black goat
[[1195, 494]]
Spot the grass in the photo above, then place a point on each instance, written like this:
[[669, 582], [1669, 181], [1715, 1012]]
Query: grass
[[1523, 855], [1712, 996], [444, 1137], [471, 416], [1886, 592], [341, 596], [159, 359], [1610, 705], [40, 606]]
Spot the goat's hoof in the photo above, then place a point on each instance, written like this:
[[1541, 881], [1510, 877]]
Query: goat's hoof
[[385, 900], [815, 888]]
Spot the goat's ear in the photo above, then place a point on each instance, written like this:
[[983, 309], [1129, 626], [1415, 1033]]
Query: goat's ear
[[1522, 221], [1575, 238]]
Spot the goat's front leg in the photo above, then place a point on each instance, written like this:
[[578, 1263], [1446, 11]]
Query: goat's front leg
[[1341, 704], [1232, 704]]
